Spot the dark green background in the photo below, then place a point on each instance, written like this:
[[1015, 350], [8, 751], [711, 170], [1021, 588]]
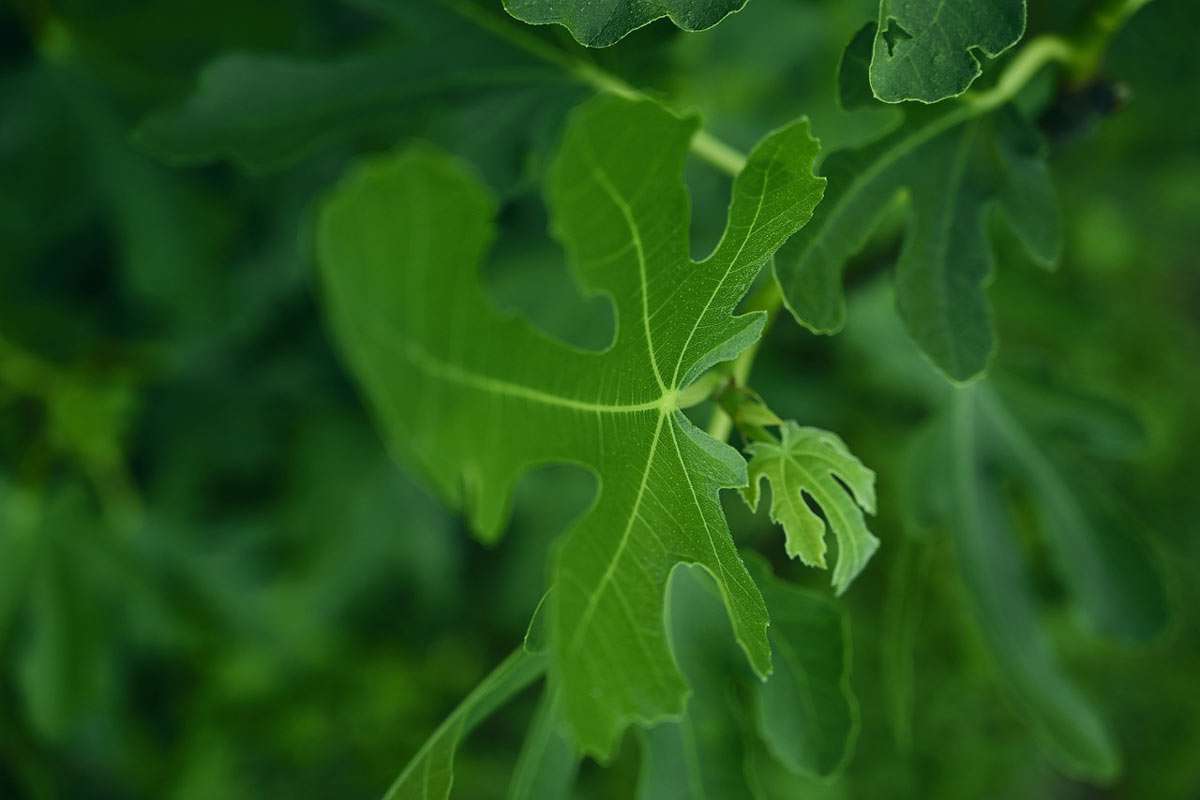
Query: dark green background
[[215, 583]]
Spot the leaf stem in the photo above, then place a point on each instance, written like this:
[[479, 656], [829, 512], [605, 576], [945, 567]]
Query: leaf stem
[[768, 299], [718, 153], [1028, 62], [1082, 56], [704, 145]]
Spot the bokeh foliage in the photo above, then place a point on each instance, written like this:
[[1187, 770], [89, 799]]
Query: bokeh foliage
[[216, 582]]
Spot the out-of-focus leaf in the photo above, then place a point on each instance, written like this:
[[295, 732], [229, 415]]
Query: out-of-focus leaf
[[430, 773], [62, 669], [770, 780], [267, 111], [548, 761], [19, 546], [803, 717], [807, 713], [853, 75], [701, 754], [901, 621], [476, 398], [954, 165], [812, 463], [89, 421], [442, 79], [1111, 574], [930, 50], [999, 588], [605, 22]]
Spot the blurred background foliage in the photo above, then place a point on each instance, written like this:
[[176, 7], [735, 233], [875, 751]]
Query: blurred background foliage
[[215, 583]]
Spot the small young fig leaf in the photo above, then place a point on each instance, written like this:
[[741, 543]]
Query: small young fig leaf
[[816, 464], [476, 398]]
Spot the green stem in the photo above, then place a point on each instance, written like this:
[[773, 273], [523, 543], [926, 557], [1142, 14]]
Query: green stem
[[1081, 56], [704, 145], [1094, 43], [1028, 62], [768, 299]]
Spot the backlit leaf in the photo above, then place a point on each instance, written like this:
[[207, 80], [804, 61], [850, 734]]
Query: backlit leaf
[[475, 398], [816, 464]]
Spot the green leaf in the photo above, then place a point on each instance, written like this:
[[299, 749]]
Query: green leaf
[[929, 50], [1112, 577], [903, 608], [548, 762], [854, 71], [20, 517], [64, 666], [605, 22], [952, 167], [475, 398], [807, 713], [999, 588], [814, 464], [268, 111], [804, 716], [430, 773], [701, 754]]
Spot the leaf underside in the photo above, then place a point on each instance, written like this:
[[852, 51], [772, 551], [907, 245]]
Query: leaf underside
[[475, 398]]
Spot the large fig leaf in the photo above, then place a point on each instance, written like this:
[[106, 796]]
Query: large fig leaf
[[476, 398]]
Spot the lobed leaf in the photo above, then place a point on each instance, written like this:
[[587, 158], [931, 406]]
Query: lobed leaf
[[266, 111], [807, 713], [475, 398], [803, 718], [952, 167], [813, 463], [1113, 579], [929, 50]]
